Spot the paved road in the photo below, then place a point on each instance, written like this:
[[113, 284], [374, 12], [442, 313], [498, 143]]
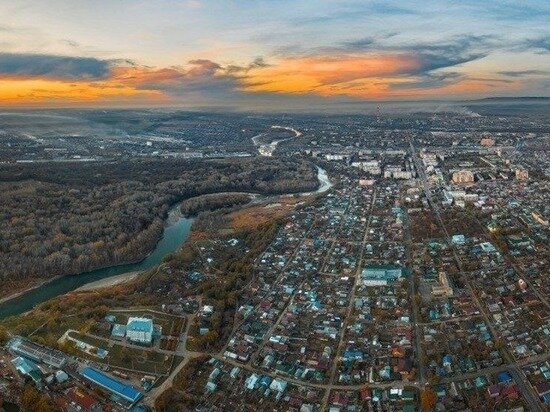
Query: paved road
[[386, 385], [157, 391]]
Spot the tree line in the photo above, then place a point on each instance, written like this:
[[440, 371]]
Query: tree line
[[207, 203]]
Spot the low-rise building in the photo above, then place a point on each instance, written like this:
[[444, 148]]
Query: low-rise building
[[379, 275], [522, 174], [27, 368], [126, 392]]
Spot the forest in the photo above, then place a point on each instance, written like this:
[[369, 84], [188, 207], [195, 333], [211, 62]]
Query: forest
[[59, 218]]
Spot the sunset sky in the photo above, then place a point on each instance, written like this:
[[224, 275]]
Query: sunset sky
[[280, 53]]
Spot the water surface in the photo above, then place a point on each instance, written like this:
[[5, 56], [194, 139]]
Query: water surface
[[175, 233]]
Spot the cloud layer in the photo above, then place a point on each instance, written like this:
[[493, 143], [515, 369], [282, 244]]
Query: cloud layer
[[206, 53]]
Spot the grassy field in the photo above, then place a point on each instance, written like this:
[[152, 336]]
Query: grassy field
[[141, 360]]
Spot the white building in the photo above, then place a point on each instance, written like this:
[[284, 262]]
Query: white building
[[140, 330], [396, 172]]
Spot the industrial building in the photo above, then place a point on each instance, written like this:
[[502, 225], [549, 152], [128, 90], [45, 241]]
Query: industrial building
[[118, 331], [487, 142], [463, 176], [27, 368], [38, 353], [522, 174], [128, 393], [444, 288]]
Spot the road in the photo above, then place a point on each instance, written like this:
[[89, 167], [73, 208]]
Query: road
[[415, 309], [157, 391], [348, 319], [280, 278]]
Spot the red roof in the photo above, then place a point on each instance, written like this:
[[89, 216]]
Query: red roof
[[365, 394], [510, 390], [340, 399], [508, 300], [81, 398]]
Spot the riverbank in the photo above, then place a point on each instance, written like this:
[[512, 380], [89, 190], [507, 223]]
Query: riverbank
[[171, 218], [175, 233], [29, 289], [108, 282], [269, 148]]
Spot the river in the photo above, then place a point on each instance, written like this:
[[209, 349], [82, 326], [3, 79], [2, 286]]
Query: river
[[324, 181], [269, 148], [176, 231]]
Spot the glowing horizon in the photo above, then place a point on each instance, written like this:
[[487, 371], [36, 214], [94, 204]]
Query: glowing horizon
[[208, 53]]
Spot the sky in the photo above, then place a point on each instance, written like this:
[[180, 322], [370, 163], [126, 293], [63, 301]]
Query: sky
[[269, 53]]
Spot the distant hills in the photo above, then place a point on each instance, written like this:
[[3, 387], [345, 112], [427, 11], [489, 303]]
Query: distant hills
[[523, 98]]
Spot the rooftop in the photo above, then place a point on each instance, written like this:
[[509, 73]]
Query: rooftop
[[140, 325], [125, 391]]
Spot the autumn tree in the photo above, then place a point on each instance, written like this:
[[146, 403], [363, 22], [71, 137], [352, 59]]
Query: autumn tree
[[33, 400], [428, 399], [3, 335]]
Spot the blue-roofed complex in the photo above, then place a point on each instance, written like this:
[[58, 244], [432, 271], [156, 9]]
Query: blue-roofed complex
[[28, 368], [126, 392], [140, 330], [118, 331]]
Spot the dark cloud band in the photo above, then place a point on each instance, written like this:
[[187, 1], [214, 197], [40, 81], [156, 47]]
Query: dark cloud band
[[53, 66]]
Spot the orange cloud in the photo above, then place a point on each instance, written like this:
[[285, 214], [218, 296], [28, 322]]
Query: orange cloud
[[461, 87], [371, 76], [329, 75], [37, 92], [135, 76]]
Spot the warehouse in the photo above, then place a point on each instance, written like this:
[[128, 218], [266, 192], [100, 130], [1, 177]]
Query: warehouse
[[27, 368], [126, 392]]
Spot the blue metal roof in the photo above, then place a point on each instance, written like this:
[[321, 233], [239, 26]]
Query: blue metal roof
[[23, 365], [125, 391], [504, 376], [118, 330], [140, 324]]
